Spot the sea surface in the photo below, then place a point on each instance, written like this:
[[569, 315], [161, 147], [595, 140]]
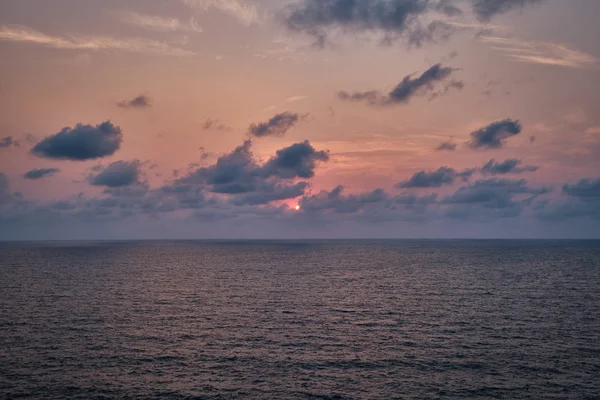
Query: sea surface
[[300, 320]]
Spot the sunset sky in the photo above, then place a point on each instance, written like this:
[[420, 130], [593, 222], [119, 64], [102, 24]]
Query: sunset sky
[[145, 119]]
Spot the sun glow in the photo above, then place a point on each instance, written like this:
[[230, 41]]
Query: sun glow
[[297, 208]]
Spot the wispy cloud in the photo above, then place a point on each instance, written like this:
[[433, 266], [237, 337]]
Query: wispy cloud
[[294, 99], [158, 23], [540, 52], [242, 10], [475, 26], [19, 33]]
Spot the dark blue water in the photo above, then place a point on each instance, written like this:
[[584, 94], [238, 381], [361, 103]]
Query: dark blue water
[[300, 320]]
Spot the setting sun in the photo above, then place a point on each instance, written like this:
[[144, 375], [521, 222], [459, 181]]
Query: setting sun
[[297, 208]]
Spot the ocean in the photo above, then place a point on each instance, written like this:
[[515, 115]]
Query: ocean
[[352, 319]]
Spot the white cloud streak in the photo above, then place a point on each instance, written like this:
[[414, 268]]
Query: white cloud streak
[[294, 99], [540, 52], [157, 23], [245, 12], [19, 33]]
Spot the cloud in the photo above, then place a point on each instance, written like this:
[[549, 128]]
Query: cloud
[[9, 141], [373, 207], [508, 166], [582, 202], [215, 124], [84, 142], [494, 135], [537, 52], [139, 102], [230, 174], [447, 8], [40, 173], [492, 192], [239, 175], [126, 209], [242, 10], [296, 161], [392, 19], [585, 189], [443, 176], [446, 146], [565, 210], [491, 198], [5, 195], [487, 9], [159, 23], [276, 126], [271, 191], [18, 33], [453, 84], [293, 99], [336, 201], [405, 90], [117, 174]]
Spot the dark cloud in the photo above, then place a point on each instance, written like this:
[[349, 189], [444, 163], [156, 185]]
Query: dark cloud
[[271, 191], [84, 142], [494, 135], [582, 202], [508, 166], [447, 7], [486, 9], [296, 161], [393, 19], [491, 198], [565, 210], [9, 141], [40, 173], [409, 87], [135, 190], [239, 175], [494, 192], [412, 202], [139, 102], [5, 195], [446, 146], [373, 207], [336, 201], [405, 90], [215, 124], [443, 176], [232, 171], [117, 174], [585, 189], [276, 126]]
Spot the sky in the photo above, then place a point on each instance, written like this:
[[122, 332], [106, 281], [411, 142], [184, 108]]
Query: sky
[[177, 119]]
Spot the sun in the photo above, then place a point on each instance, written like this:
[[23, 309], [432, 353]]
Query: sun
[[297, 208]]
